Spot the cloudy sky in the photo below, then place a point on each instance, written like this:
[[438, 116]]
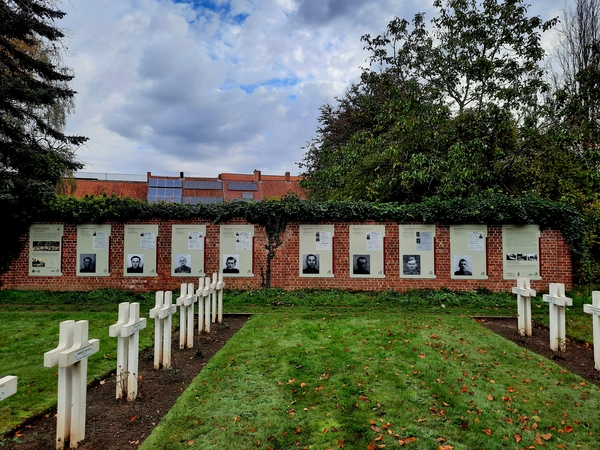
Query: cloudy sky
[[212, 86]]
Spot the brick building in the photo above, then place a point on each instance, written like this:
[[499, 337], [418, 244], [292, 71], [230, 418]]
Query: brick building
[[189, 190]]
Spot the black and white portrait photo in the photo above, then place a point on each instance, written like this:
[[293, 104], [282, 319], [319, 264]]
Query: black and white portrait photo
[[310, 263], [87, 263], [411, 265], [135, 263], [183, 263], [462, 265], [361, 264], [231, 263]]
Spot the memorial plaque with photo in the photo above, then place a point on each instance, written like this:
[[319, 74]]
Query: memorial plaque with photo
[[92, 250], [45, 250], [366, 251], [468, 252], [316, 251], [140, 250], [521, 249], [187, 250], [236, 247], [417, 251]]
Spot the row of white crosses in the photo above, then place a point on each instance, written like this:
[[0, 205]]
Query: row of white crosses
[[74, 348], [557, 303], [164, 309]]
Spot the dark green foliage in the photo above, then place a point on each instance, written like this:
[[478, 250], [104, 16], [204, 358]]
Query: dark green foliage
[[274, 215], [34, 97]]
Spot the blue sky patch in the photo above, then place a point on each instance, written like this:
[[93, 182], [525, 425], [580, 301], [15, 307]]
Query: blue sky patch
[[272, 83]]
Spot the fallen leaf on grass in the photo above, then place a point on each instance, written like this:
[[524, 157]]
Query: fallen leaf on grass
[[487, 431], [517, 437]]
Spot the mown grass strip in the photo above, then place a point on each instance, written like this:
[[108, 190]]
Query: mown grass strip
[[327, 379]]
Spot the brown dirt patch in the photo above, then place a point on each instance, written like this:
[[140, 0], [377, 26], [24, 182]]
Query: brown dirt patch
[[113, 424], [579, 357]]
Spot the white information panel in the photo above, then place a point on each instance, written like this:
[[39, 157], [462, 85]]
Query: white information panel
[[140, 250], [521, 251], [93, 242], [417, 251], [366, 251], [468, 250], [187, 250], [316, 251], [45, 250], [237, 243]]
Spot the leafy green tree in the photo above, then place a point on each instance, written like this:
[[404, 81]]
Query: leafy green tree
[[34, 101], [573, 122], [438, 112]]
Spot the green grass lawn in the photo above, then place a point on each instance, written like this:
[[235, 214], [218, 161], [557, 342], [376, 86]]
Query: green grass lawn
[[340, 370]]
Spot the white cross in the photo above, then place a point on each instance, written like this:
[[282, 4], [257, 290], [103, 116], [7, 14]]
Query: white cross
[[8, 386], [127, 331], [65, 382], [207, 294], [594, 309], [200, 296], [71, 356], [220, 287], [186, 315], [166, 313], [524, 294], [213, 287], [557, 304]]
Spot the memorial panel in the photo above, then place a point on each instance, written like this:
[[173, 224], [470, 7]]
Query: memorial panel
[[468, 250], [236, 246], [140, 250], [366, 251], [417, 255], [45, 250], [93, 243], [187, 250], [521, 251], [316, 251]]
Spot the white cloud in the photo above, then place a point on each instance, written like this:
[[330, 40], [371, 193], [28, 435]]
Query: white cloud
[[168, 87]]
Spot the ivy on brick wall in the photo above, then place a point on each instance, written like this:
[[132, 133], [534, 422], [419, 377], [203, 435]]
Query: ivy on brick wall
[[274, 215]]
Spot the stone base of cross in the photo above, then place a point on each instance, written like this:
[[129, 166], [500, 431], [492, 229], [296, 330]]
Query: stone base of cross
[[594, 310], [162, 314], [126, 330], [8, 386], [524, 294], [186, 315], [71, 356], [557, 304]]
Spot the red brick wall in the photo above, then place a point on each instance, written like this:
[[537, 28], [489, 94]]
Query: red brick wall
[[555, 263], [132, 189]]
